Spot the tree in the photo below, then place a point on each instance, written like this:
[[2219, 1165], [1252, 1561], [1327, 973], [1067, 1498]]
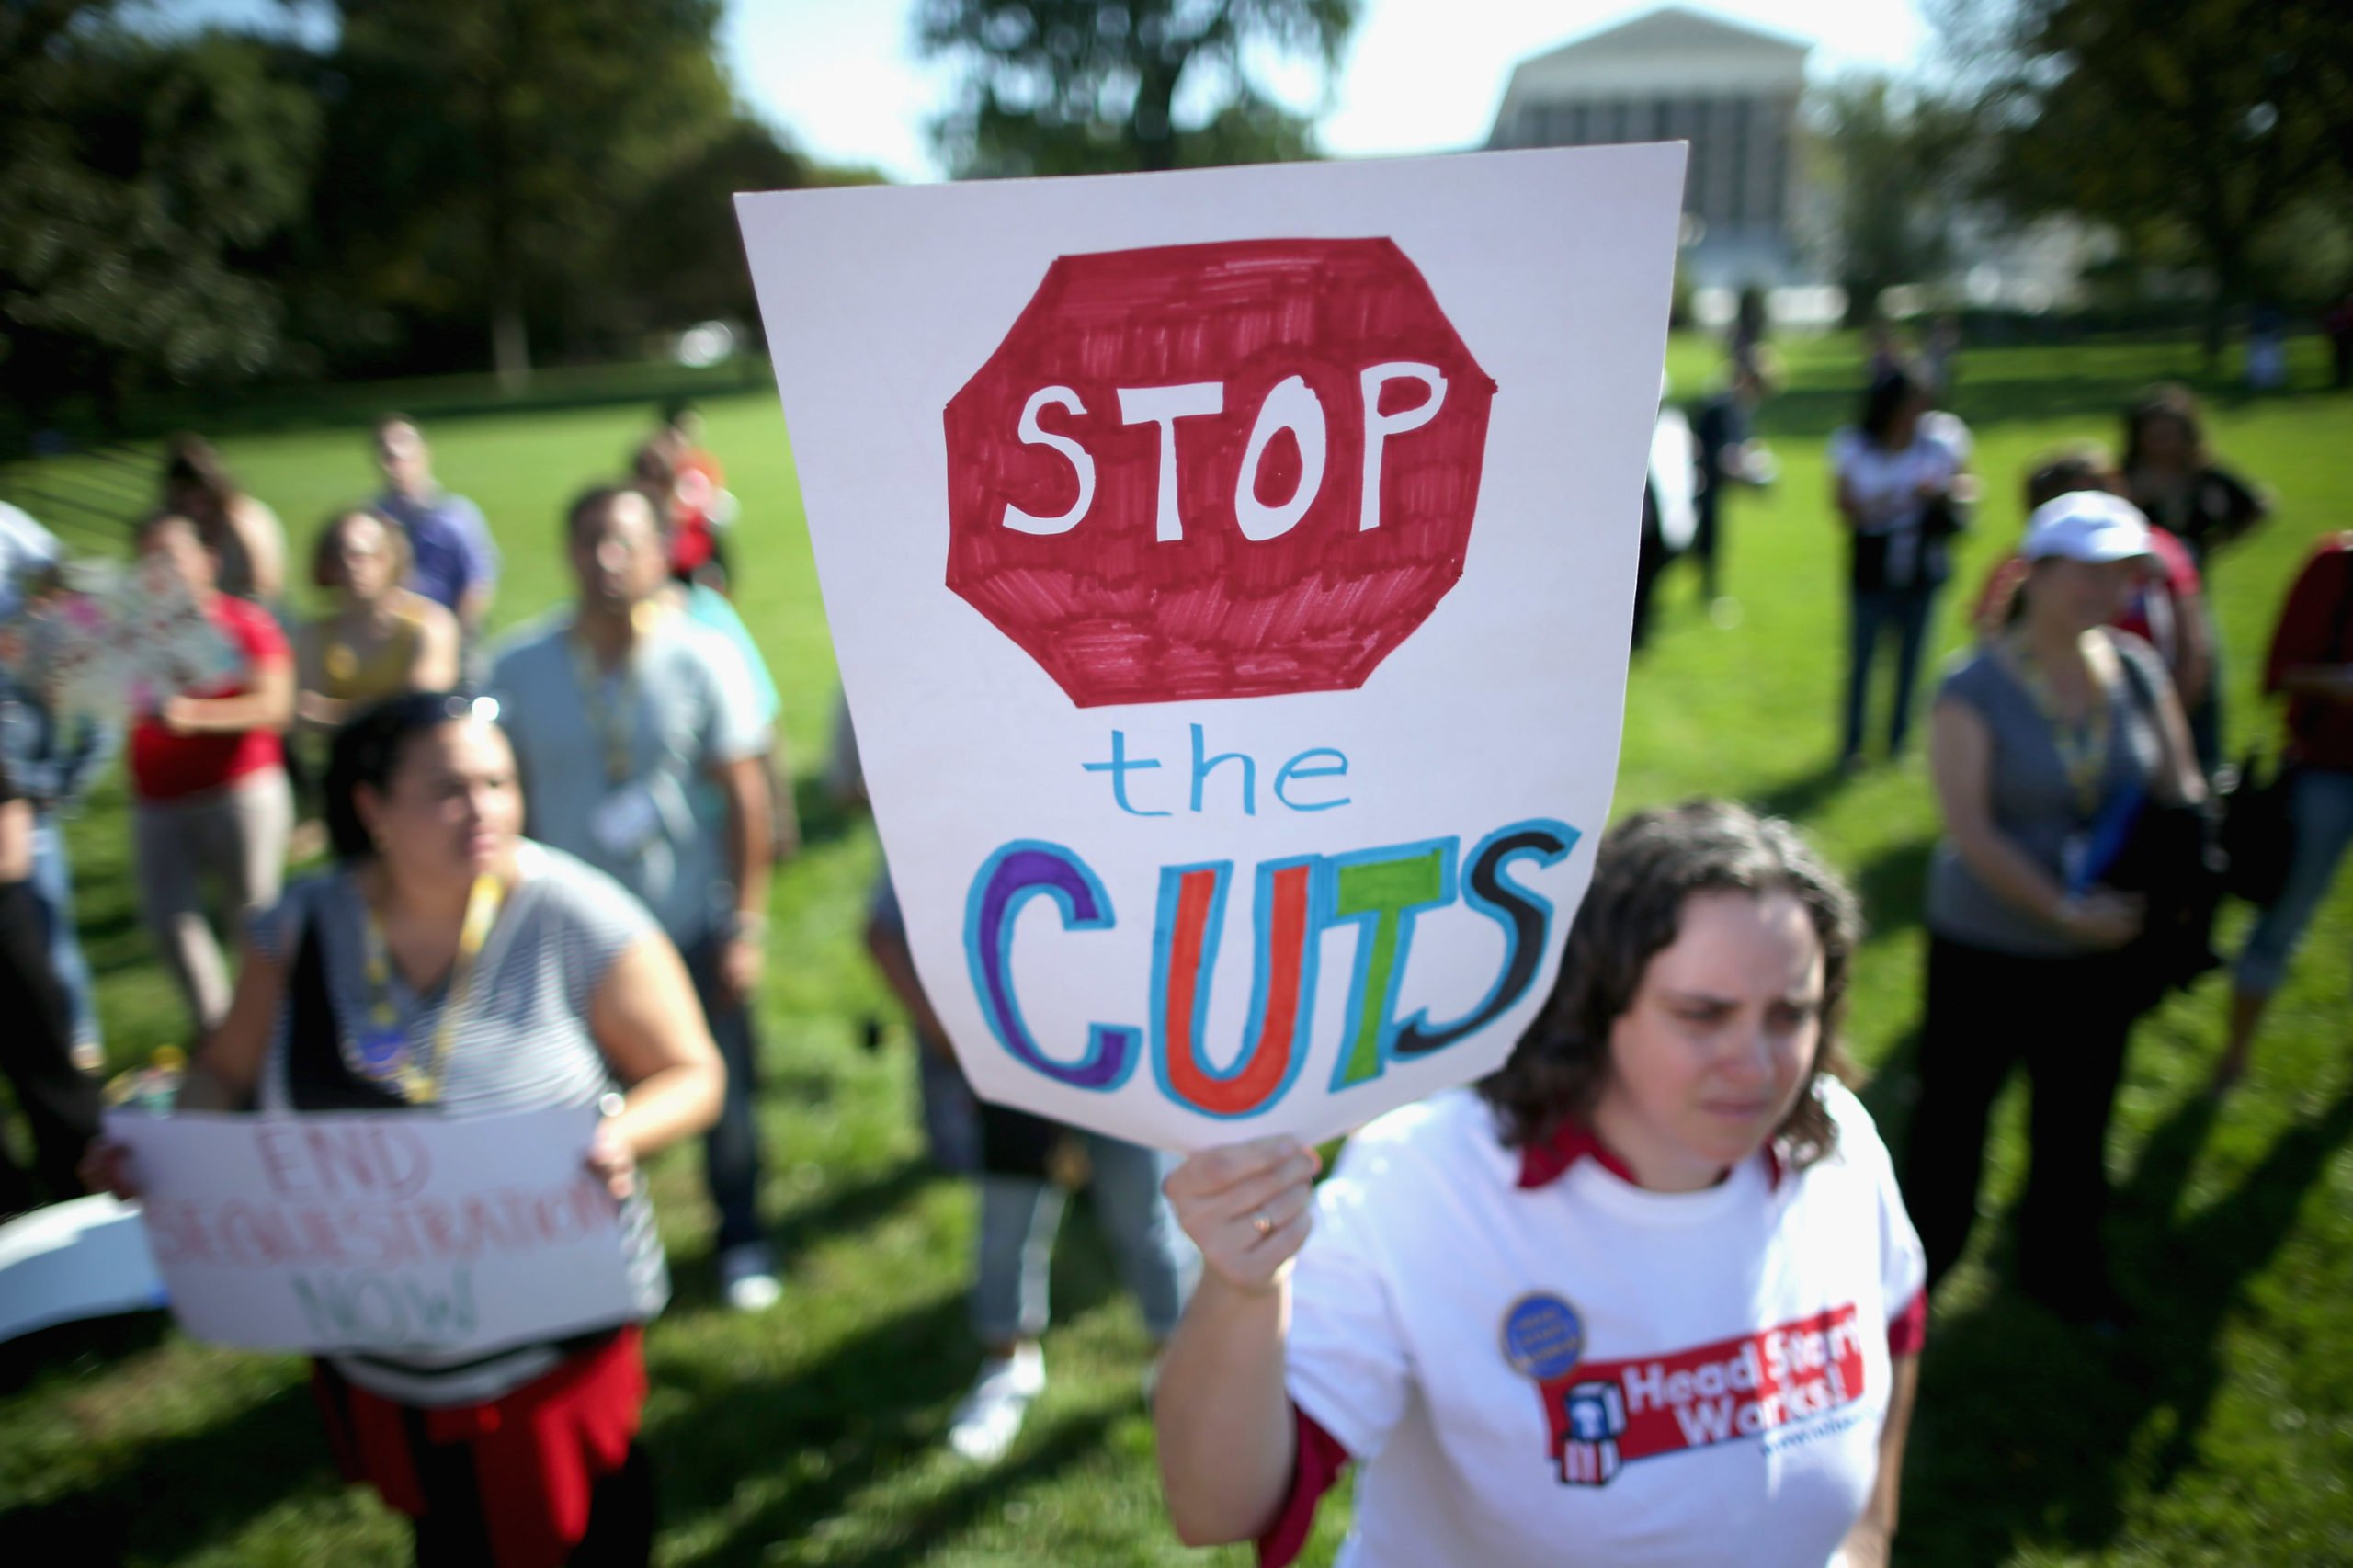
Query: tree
[[1073, 86], [2196, 122], [1894, 160], [680, 257], [137, 179], [485, 151]]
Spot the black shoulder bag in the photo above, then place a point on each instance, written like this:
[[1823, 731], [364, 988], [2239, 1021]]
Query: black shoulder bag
[[2172, 857]]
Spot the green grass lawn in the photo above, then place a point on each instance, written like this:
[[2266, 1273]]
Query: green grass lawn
[[2220, 1432]]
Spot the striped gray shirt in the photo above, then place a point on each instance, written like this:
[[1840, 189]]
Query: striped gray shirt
[[524, 1043]]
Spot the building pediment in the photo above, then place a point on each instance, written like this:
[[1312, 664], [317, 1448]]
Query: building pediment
[[1672, 50]]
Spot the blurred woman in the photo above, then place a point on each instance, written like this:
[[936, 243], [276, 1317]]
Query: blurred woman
[[2312, 665], [2045, 745], [244, 534], [693, 512], [2172, 477], [367, 989], [208, 778], [1897, 484], [1646, 1296], [381, 639], [2166, 606]]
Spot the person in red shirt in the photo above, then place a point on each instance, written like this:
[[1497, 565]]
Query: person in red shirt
[[2312, 665], [207, 776]]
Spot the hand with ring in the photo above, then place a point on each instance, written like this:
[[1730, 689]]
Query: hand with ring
[[1248, 1207]]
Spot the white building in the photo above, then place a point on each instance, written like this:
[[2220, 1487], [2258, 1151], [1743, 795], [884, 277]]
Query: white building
[[1675, 75]]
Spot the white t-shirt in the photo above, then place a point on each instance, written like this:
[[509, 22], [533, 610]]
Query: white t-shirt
[[1885, 484], [1700, 1378]]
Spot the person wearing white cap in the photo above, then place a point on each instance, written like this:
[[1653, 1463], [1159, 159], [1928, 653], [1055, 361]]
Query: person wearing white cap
[[2043, 744]]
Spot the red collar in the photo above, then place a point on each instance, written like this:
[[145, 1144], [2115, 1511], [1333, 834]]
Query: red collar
[[1545, 1162]]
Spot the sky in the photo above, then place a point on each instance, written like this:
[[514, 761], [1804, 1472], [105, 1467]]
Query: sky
[[842, 77]]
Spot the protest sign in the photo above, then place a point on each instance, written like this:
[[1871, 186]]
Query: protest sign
[[385, 1231], [1230, 572], [115, 643]]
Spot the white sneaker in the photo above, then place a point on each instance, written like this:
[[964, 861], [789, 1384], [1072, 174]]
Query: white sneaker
[[990, 1417], [747, 1278]]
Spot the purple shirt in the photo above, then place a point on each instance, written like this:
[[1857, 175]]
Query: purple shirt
[[449, 544]]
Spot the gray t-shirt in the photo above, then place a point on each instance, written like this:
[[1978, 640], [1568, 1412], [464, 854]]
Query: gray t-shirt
[[2034, 803], [683, 706], [523, 1043]]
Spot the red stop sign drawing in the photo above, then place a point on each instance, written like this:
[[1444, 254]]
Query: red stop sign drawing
[[1230, 470]]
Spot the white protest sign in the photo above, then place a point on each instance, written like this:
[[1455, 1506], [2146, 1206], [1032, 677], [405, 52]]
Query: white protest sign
[[385, 1231], [1231, 573], [116, 643]]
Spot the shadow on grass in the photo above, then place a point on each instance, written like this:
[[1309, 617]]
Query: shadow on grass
[[2026, 1432], [845, 1210], [984, 1488], [1893, 1090], [1799, 797], [78, 1349], [172, 1497], [875, 1406], [824, 818], [1893, 888]]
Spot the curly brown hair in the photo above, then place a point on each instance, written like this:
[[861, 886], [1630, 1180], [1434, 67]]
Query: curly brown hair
[[1648, 867]]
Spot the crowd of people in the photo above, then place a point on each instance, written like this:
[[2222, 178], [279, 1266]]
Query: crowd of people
[[1669, 1183]]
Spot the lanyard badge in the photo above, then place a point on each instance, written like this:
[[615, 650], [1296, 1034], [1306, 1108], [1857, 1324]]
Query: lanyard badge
[[383, 1046]]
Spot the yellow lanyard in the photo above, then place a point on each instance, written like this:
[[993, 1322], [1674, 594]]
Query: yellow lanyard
[[384, 1054], [2082, 747], [615, 721]]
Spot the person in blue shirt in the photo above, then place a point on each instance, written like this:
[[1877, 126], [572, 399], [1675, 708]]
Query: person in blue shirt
[[452, 562]]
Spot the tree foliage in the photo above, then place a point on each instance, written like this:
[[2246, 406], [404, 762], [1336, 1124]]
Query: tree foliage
[[137, 183], [1091, 87], [2194, 125], [483, 147], [1894, 160]]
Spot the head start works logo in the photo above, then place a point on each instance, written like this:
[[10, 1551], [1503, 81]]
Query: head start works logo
[[1230, 470], [1605, 1415]]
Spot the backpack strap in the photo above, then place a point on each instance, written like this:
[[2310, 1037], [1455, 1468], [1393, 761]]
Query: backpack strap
[[318, 1076]]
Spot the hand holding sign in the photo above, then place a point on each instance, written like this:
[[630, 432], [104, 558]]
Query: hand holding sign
[[1247, 1207], [113, 643], [1229, 574]]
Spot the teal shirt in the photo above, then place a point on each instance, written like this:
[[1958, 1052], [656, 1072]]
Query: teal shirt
[[708, 607]]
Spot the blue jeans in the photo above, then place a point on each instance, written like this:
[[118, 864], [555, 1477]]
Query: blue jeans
[[2320, 803], [1021, 1214], [731, 1147], [53, 886], [1873, 614]]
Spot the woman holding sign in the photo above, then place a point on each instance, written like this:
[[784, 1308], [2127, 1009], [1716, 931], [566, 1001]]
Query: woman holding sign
[[1648, 1294], [207, 774], [372, 988]]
